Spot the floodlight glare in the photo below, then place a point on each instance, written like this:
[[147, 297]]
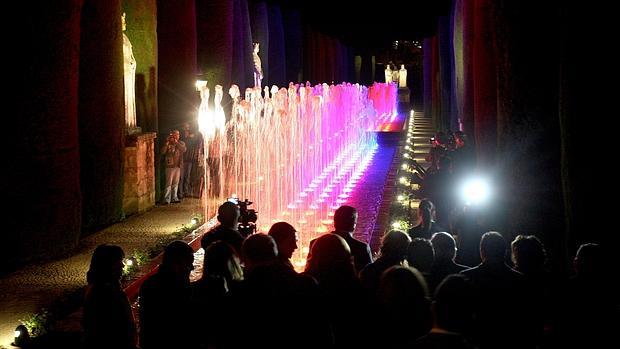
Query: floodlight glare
[[476, 191]]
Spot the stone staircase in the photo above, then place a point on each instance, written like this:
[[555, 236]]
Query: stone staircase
[[422, 132], [420, 135]]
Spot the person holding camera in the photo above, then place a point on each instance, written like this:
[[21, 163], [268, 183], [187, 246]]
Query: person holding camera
[[438, 150], [172, 152], [228, 215]]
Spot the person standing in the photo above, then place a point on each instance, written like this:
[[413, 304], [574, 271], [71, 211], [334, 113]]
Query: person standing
[[345, 221], [165, 300], [286, 237], [228, 215], [173, 159], [193, 145], [107, 318]]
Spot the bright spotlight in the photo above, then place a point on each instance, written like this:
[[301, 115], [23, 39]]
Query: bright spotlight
[[476, 191], [129, 262]]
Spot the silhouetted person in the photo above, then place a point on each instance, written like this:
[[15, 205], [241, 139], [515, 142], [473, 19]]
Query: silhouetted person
[[463, 156], [286, 238], [420, 255], [228, 215], [438, 150], [453, 313], [444, 248], [468, 228], [501, 298], [269, 294], [107, 318], [404, 307], [591, 309], [345, 221], [344, 299], [529, 256], [193, 143], [211, 301], [438, 187], [426, 226], [165, 300], [393, 252]]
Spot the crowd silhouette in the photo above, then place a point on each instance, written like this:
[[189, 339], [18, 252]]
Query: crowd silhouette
[[414, 295]]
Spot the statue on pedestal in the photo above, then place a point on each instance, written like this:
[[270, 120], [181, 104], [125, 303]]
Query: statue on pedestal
[[129, 74], [258, 70], [388, 74], [402, 76], [395, 73]]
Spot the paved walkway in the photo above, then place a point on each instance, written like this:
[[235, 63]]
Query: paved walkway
[[27, 290]]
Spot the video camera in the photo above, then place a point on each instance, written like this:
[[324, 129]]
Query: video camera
[[247, 217]]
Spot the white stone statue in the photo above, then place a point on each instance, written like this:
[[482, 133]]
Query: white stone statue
[[395, 73], [219, 117], [130, 80], [402, 76], [206, 124], [258, 70], [388, 74]]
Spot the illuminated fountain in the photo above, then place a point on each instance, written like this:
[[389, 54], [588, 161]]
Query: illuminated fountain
[[383, 97], [297, 153]]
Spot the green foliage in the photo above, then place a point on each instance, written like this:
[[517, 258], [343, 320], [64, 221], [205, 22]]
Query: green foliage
[[141, 256], [37, 323], [199, 217], [138, 258], [128, 270]]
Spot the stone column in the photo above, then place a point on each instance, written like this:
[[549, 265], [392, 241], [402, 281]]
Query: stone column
[[42, 184], [176, 29], [101, 113]]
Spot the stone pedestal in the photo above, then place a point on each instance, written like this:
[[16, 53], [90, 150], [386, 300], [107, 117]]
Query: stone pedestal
[[133, 130], [139, 173], [403, 94]]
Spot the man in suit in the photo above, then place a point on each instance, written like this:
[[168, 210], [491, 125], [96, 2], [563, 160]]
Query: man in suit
[[345, 220]]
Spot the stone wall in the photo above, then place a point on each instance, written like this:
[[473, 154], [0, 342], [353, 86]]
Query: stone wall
[[139, 173]]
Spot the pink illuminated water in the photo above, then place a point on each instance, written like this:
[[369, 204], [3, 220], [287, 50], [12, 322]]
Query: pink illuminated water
[[297, 153], [383, 98]]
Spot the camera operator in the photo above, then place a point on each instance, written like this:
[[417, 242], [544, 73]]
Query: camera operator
[[172, 152], [228, 215], [463, 156], [439, 149]]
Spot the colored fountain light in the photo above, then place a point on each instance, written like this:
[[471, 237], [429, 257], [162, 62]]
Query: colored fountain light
[[296, 152]]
